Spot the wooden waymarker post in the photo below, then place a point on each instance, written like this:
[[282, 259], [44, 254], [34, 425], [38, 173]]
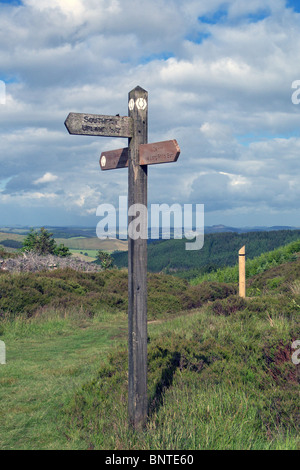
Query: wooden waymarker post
[[136, 157], [242, 272]]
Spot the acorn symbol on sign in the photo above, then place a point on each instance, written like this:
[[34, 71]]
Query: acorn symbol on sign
[[141, 103]]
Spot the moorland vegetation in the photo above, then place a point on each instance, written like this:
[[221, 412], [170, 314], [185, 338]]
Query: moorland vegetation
[[220, 369]]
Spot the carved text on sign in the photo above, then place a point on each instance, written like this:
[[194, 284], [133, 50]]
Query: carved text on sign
[[160, 152], [99, 125]]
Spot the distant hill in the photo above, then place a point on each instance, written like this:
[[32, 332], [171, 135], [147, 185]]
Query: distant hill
[[224, 228], [73, 240], [220, 249], [58, 232], [90, 232]]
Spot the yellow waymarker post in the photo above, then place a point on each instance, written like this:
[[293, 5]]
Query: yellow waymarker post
[[242, 272]]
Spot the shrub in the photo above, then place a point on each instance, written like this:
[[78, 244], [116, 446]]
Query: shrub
[[210, 291], [229, 306], [105, 259], [23, 293]]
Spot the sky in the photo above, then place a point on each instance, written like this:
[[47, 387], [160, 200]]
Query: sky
[[220, 78]]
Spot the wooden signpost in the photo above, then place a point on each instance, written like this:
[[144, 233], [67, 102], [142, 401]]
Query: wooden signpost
[[136, 157]]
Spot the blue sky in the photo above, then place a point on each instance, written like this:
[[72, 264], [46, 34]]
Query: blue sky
[[219, 76], [294, 4]]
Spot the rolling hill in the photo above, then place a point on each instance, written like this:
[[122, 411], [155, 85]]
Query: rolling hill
[[219, 250]]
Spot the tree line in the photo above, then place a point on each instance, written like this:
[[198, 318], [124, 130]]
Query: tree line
[[219, 250]]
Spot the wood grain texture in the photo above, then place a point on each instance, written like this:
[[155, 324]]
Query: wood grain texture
[[149, 154], [159, 152], [137, 157], [137, 267], [114, 159], [99, 125]]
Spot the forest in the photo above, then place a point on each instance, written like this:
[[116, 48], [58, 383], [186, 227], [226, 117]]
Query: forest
[[219, 250]]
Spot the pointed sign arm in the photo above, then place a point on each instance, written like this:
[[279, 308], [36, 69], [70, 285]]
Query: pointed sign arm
[[99, 125], [149, 154]]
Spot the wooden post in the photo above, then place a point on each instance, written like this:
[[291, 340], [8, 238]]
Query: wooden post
[[242, 272], [137, 266], [137, 157]]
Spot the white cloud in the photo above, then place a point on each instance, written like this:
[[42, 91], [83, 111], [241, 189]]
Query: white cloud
[[236, 180], [226, 99], [69, 7], [47, 178]]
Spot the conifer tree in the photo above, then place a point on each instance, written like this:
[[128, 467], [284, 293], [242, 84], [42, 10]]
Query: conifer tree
[[42, 243]]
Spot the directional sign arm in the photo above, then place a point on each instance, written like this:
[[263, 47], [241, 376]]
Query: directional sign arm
[[99, 125], [114, 159], [149, 154], [159, 152]]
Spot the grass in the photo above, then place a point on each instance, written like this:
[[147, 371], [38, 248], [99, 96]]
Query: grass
[[211, 385], [220, 374], [47, 360], [211, 382]]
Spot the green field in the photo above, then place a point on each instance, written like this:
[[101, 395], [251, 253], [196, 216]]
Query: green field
[[93, 244], [76, 244], [11, 236], [86, 255]]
